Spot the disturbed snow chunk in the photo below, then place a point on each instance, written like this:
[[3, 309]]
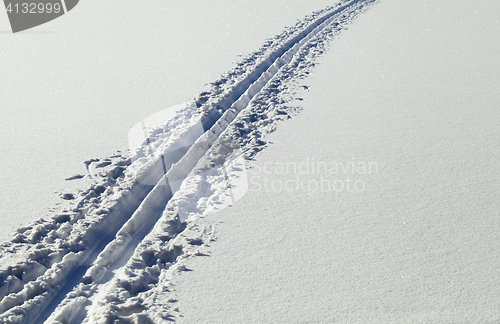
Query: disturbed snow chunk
[[61, 218], [116, 172], [99, 189], [75, 177], [24, 229], [68, 196], [126, 162], [181, 267], [33, 270], [195, 241], [103, 164]]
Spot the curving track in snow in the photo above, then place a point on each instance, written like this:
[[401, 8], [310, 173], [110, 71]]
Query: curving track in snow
[[106, 258]]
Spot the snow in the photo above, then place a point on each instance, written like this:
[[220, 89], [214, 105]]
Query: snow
[[92, 74], [375, 202], [412, 88]]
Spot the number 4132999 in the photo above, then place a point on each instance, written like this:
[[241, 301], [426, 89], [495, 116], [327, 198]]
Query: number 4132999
[[33, 8]]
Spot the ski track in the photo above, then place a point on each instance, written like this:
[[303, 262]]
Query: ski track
[[109, 256]]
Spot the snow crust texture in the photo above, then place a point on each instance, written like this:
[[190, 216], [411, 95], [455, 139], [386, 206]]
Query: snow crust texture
[[108, 257]]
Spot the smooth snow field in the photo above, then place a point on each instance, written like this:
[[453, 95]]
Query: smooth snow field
[[413, 88], [331, 163]]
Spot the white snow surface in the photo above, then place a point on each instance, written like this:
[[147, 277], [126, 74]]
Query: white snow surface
[[412, 87], [104, 256], [71, 89], [377, 202]]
